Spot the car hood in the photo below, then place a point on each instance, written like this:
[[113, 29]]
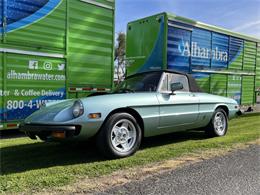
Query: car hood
[[50, 113], [61, 112]]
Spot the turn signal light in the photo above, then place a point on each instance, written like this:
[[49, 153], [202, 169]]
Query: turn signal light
[[94, 115]]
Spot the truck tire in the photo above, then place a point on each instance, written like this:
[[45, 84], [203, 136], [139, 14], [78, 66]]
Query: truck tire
[[120, 136], [218, 124]]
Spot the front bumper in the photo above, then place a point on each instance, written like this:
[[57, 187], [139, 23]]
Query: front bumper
[[49, 131]]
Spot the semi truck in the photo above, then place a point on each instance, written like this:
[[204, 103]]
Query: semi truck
[[223, 62], [52, 50]]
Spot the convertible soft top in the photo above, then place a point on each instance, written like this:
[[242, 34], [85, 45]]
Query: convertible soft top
[[192, 82]]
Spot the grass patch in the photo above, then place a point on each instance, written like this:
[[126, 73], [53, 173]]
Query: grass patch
[[30, 166]]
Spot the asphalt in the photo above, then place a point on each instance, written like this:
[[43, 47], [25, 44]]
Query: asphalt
[[233, 174]]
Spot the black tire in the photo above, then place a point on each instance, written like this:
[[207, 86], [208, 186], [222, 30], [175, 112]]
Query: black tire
[[214, 129], [106, 139]]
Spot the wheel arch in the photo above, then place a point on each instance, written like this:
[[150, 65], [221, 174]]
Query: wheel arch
[[209, 129], [224, 107], [130, 111]]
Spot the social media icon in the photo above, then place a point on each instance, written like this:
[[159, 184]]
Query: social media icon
[[61, 67], [47, 66], [33, 64]]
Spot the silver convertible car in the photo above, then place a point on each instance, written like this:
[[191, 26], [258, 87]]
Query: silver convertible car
[[145, 104]]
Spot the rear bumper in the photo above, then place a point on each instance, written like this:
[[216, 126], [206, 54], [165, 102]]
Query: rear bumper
[[46, 131]]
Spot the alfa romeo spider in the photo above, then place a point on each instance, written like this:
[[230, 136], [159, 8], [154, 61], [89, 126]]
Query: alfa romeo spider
[[145, 104]]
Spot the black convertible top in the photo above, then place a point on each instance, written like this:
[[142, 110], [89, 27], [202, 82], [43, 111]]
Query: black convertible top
[[192, 82]]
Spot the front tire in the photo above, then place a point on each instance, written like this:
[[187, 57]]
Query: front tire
[[218, 125], [120, 136]]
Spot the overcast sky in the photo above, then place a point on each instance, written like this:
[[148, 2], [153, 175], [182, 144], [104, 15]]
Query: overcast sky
[[237, 15]]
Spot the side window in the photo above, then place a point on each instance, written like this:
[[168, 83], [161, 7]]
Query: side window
[[175, 78]]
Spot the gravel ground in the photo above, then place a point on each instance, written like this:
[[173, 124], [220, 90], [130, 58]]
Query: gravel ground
[[236, 173]]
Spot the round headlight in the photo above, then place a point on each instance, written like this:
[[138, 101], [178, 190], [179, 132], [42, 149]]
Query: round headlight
[[77, 109]]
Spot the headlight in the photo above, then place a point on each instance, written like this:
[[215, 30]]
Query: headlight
[[77, 109]]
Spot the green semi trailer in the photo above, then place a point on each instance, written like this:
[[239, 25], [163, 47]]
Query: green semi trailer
[[52, 50], [223, 62]]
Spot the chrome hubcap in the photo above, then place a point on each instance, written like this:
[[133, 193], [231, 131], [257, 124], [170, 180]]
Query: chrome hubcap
[[220, 123], [123, 135]]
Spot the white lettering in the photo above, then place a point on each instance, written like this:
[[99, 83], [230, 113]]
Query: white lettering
[[205, 53], [186, 50], [13, 75], [4, 93]]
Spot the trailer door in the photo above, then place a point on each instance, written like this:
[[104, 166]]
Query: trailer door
[[90, 51]]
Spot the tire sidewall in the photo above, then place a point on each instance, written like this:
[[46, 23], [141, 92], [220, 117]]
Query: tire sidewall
[[216, 133], [108, 129]]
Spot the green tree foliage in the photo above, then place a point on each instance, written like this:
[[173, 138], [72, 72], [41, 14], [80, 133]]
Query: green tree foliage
[[120, 56]]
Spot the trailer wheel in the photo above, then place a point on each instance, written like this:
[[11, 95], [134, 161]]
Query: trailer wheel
[[218, 124], [120, 136]]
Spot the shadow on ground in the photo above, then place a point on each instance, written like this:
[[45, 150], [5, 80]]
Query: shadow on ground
[[20, 158]]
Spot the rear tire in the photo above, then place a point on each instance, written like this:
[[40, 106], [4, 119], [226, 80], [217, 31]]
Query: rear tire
[[218, 124], [120, 136]]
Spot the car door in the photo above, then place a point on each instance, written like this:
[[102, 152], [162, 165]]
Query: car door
[[180, 109]]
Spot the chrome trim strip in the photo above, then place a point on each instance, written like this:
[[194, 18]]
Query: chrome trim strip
[[225, 72], [98, 4], [16, 51], [178, 113]]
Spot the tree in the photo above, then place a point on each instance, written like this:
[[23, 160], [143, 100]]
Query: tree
[[120, 56]]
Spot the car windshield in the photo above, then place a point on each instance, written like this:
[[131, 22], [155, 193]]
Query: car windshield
[[147, 82]]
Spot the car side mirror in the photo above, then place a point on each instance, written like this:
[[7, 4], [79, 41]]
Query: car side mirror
[[176, 86]]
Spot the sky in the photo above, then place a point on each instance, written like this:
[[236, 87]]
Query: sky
[[241, 16]]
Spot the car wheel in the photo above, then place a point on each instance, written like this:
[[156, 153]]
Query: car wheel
[[218, 125], [120, 136]]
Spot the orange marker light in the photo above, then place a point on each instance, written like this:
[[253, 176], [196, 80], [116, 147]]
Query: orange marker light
[[94, 115], [58, 134]]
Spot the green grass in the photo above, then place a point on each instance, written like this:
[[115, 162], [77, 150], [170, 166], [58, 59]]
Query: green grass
[[32, 165]]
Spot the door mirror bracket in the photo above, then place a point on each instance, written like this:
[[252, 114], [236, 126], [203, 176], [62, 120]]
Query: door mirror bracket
[[175, 87]]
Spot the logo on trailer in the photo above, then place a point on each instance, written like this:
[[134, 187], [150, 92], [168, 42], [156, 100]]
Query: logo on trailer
[[194, 50]]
